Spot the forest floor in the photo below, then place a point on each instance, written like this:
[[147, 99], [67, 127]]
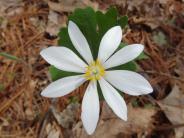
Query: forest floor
[[28, 26]]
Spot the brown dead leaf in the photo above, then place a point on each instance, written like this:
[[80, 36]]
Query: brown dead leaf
[[163, 1], [150, 22], [173, 107], [67, 116], [10, 7], [55, 22], [139, 121], [52, 131], [71, 5]]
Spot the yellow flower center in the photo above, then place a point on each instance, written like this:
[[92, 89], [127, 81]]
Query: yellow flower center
[[94, 71]]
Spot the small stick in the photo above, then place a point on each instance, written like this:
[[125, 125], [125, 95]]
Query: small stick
[[45, 118]]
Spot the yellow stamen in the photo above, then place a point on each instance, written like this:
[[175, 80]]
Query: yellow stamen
[[94, 71]]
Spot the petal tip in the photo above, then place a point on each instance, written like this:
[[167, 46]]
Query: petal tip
[[139, 46], [150, 89], [71, 23], [89, 130], [118, 28], [43, 94], [42, 52], [124, 116], [47, 51], [47, 94]]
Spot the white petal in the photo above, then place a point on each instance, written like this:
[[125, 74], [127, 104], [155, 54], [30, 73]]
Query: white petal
[[114, 99], [124, 55], [90, 108], [79, 42], [63, 86], [109, 43], [129, 82], [64, 59]]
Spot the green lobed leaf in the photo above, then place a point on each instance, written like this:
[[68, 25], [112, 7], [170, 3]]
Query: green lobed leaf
[[123, 21], [64, 39], [109, 19], [132, 66], [57, 74], [86, 21], [106, 21]]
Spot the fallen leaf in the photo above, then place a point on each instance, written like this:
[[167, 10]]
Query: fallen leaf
[[67, 116], [10, 7], [173, 107], [52, 131], [71, 5], [150, 22], [55, 22], [163, 1], [139, 121]]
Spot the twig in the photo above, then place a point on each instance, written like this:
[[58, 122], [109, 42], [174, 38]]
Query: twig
[[5, 105], [45, 118], [43, 124], [33, 38]]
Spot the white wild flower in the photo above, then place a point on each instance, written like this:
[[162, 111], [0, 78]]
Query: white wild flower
[[96, 71]]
